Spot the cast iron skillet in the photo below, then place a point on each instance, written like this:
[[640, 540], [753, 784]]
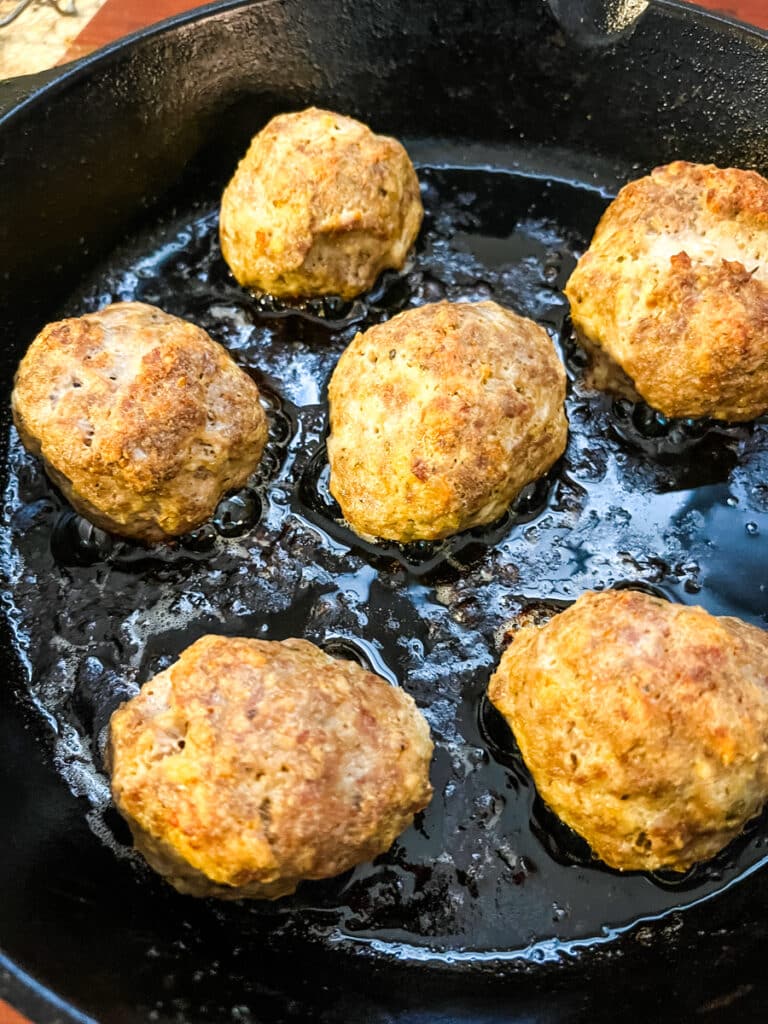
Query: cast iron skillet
[[135, 137]]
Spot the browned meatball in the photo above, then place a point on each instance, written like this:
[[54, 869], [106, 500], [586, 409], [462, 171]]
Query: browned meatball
[[643, 723], [250, 765], [319, 205], [140, 418], [439, 418], [671, 298]]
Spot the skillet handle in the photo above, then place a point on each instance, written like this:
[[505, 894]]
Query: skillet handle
[[593, 23], [14, 91]]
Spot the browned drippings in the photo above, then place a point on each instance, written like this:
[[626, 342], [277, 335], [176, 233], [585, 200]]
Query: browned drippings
[[679, 507]]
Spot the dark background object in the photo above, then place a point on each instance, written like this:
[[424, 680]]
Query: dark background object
[[592, 23], [98, 152]]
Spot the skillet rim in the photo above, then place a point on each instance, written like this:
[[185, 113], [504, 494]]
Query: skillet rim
[[17, 96], [20, 92]]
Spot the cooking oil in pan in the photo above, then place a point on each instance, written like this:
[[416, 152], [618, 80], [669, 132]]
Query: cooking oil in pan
[[679, 508]]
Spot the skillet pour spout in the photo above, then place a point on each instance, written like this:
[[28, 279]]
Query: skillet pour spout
[[590, 23]]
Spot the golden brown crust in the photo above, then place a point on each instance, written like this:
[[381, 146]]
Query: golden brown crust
[[674, 289], [643, 723], [142, 420], [250, 765], [440, 416], [319, 205]]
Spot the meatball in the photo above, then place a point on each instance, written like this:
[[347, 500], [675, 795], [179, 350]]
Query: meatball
[[319, 205], [140, 418], [671, 299], [643, 723], [440, 416], [249, 765]]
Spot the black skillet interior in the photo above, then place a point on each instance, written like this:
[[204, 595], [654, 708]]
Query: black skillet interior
[[519, 141]]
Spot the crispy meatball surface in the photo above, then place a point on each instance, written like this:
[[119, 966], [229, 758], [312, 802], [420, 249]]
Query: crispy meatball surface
[[671, 298], [319, 205], [250, 765], [643, 723], [142, 420], [440, 416]]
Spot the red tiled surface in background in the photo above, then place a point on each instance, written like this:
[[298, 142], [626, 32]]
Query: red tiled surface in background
[[755, 12], [9, 1016], [119, 17]]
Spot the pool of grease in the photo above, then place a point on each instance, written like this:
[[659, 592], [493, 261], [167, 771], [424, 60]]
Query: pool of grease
[[678, 507]]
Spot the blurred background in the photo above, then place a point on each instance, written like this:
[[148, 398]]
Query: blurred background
[[49, 32]]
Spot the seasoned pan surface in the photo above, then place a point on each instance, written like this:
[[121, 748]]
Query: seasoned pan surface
[[487, 874]]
